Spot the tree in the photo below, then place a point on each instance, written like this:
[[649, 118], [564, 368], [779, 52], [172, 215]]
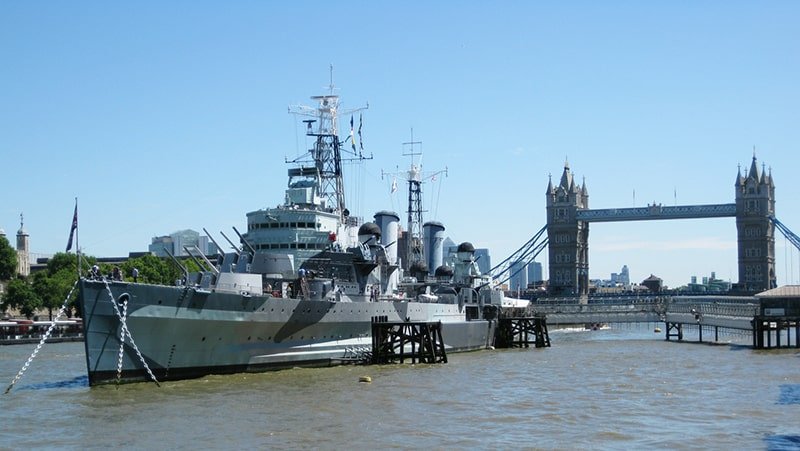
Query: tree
[[20, 295], [63, 260], [53, 290], [61, 277], [43, 286], [8, 260], [152, 269]]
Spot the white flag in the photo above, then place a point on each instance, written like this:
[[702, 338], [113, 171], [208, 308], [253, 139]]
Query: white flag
[[394, 184]]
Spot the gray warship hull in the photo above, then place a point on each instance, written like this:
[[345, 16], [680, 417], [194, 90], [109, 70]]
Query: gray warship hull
[[185, 332]]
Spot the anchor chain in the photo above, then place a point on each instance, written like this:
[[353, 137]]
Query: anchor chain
[[44, 338], [127, 333], [121, 341]]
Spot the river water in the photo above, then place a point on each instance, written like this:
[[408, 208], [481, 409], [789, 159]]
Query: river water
[[617, 388]]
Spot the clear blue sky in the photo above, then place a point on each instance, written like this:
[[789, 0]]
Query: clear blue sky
[[161, 116]]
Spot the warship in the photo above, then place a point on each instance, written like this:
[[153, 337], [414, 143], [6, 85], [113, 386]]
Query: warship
[[301, 288]]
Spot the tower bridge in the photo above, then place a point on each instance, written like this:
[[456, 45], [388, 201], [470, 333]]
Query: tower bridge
[[569, 216]]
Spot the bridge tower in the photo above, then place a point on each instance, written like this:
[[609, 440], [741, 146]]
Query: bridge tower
[[755, 203], [568, 238]]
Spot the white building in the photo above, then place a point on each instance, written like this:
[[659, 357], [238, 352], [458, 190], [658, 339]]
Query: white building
[[177, 241]]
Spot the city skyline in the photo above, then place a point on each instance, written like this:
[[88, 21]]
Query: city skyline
[[158, 118]]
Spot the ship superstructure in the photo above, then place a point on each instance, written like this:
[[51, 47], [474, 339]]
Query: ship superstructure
[[313, 217]]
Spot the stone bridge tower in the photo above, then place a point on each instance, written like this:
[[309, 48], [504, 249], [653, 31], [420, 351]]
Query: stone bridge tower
[[568, 238], [755, 203]]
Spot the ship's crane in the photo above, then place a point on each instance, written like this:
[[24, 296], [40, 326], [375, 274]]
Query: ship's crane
[[415, 177]]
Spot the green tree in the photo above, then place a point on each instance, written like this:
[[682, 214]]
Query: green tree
[[65, 261], [53, 289], [62, 274], [20, 295], [43, 286], [152, 269], [8, 260]]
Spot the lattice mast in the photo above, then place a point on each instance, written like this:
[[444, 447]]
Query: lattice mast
[[415, 178], [328, 154]]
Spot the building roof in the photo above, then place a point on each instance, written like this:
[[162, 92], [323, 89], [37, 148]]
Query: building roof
[[781, 292]]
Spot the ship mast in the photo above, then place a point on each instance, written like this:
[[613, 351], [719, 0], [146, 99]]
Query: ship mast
[[415, 178], [328, 154]]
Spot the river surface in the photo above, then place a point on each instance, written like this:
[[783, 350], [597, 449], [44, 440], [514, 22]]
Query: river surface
[[618, 388]]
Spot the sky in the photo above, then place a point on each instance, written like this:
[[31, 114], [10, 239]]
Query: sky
[[162, 116]]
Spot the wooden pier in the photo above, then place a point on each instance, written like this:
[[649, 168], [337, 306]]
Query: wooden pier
[[522, 332], [768, 331], [393, 342], [674, 330]]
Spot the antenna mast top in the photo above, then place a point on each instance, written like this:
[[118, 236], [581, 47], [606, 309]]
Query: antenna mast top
[[325, 157]]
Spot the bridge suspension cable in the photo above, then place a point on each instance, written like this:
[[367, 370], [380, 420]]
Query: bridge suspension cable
[[525, 254], [794, 239]]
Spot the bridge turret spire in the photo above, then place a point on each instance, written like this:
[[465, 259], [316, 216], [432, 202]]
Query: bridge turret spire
[[754, 173], [567, 183], [549, 184], [739, 178]]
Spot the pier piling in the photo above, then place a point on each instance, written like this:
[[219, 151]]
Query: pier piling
[[397, 341], [521, 332]]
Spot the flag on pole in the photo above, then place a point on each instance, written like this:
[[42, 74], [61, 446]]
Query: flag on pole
[[394, 184], [352, 135], [74, 227], [360, 123]]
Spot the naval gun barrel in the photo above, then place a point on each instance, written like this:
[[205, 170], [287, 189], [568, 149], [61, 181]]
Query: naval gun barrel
[[252, 250], [235, 248], [183, 268], [210, 265], [219, 249]]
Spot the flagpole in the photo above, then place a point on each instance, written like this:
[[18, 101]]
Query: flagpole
[[77, 243]]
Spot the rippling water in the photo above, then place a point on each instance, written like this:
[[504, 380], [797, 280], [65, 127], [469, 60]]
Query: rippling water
[[617, 388]]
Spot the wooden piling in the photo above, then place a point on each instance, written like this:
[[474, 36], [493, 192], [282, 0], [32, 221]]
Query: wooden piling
[[391, 341], [764, 326], [678, 330], [521, 332]]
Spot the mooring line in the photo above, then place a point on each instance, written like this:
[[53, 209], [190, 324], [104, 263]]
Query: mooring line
[[44, 338], [127, 332]]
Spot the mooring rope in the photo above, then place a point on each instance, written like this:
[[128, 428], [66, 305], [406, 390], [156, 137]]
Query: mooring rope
[[44, 338]]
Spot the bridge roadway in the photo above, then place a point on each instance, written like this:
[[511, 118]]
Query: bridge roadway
[[732, 312], [657, 211]]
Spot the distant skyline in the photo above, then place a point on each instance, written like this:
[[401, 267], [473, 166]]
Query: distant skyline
[[163, 116]]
